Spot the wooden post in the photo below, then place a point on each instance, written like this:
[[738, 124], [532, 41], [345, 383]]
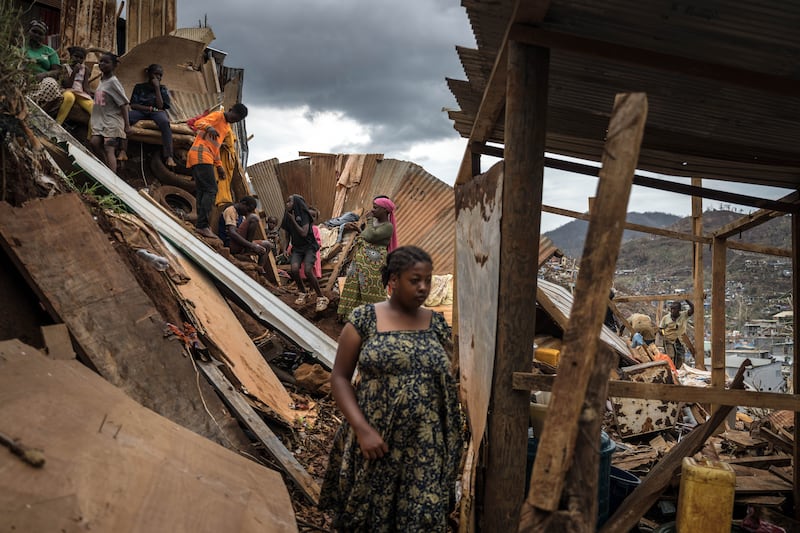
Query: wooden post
[[795, 372], [579, 354], [719, 251], [699, 314], [525, 128]]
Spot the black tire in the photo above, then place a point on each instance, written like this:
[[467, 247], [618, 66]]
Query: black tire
[[178, 201]]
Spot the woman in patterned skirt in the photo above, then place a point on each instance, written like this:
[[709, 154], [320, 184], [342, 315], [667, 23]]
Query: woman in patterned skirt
[[379, 237], [395, 459]]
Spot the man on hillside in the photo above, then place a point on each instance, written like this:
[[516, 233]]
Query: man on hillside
[[672, 328], [203, 156]]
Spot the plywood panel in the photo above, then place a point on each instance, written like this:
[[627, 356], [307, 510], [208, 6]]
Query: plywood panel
[[148, 19], [88, 23], [112, 320], [479, 209], [112, 465], [226, 332]]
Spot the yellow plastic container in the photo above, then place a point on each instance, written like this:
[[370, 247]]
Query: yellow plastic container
[[547, 355], [705, 502]]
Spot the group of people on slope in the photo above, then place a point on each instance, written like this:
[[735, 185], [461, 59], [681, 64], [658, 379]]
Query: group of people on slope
[[111, 112]]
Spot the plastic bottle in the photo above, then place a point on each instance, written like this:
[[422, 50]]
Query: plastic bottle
[[160, 263]]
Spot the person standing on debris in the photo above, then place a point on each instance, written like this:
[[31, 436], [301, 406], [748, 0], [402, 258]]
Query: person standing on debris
[[379, 237], [203, 157], [45, 65], [109, 113], [237, 229], [394, 461], [298, 222], [273, 235], [610, 320], [76, 84], [150, 101], [672, 328]]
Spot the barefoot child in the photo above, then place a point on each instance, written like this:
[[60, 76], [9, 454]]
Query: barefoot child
[[109, 120]]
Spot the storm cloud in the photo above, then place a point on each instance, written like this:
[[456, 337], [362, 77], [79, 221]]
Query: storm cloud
[[381, 63]]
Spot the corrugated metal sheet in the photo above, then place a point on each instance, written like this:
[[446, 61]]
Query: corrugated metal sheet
[[264, 177], [425, 205], [88, 23], [186, 105], [201, 35], [147, 19], [178, 56], [696, 124]]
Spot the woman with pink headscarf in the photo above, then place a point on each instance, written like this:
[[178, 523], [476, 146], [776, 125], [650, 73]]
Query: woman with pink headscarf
[[378, 238]]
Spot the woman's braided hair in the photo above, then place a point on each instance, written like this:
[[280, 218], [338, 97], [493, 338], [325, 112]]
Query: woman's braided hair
[[401, 259]]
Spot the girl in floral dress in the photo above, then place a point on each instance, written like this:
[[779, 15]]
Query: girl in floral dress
[[395, 459]]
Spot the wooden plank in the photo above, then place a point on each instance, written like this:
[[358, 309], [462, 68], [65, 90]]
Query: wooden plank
[[225, 331], [795, 370], [660, 476], [759, 248], [479, 206], [649, 297], [57, 342], [523, 176], [603, 240], [114, 323], [698, 272], [753, 219], [254, 423], [630, 225], [718, 273], [754, 481], [761, 461], [673, 393], [113, 465]]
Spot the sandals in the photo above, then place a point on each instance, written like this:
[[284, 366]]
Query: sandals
[[322, 303]]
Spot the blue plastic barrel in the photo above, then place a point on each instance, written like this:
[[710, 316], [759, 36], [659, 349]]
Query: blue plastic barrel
[[622, 483]]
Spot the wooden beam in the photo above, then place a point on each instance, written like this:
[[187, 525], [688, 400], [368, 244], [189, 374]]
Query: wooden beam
[[718, 272], [254, 423], [673, 393], [658, 479], [758, 248], [754, 219], [494, 96], [525, 126], [649, 298], [795, 370], [697, 270], [782, 85], [603, 240], [681, 188], [631, 226]]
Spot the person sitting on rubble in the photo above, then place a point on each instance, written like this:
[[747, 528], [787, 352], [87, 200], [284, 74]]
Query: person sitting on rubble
[[378, 238], [76, 84], [672, 328], [298, 222], [109, 122], [45, 65], [150, 101], [237, 228], [203, 157]]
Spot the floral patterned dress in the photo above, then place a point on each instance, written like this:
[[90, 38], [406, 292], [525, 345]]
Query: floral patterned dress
[[408, 395]]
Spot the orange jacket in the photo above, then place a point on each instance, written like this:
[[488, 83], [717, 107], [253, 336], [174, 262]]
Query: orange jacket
[[204, 150]]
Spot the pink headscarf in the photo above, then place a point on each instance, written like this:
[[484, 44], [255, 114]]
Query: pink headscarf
[[389, 206]]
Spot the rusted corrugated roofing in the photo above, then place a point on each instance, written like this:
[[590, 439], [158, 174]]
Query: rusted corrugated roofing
[[425, 205], [722, 81]]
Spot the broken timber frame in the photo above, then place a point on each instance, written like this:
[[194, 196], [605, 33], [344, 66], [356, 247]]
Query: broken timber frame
[[578, 365]]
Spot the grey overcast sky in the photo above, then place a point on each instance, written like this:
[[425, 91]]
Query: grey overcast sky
[[368, 76]]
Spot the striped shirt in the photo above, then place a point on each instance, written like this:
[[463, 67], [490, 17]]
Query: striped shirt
[[204, 150]]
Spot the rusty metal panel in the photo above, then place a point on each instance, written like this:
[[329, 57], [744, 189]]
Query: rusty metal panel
[[88, 23], [186, 105], [264, 177], [636, 416], [149, 18]]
